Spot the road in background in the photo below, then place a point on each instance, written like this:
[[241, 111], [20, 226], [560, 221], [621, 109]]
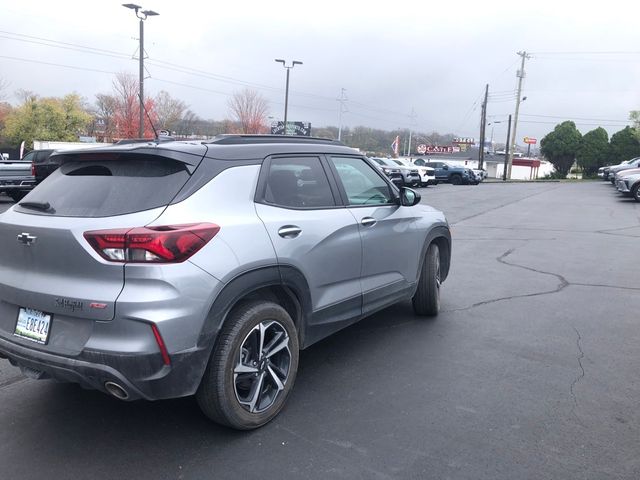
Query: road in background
[[530, 371]]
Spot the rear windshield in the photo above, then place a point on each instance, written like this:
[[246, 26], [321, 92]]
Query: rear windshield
[[107, 188]]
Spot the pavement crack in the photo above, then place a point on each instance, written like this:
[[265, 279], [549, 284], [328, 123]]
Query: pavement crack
[[613, 232], [579, 377], [562, 284], [598, 285], [506, 204]]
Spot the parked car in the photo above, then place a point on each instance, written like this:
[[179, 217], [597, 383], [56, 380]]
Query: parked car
[[393, 173], [448, 173], [43, 164], [620, 179], [171, 269], [633, 163], [410, 175], [427, 174], [16, 178], [631, 186], [480, 173]]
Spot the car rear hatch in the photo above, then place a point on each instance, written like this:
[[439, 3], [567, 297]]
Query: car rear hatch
[[50, 275]]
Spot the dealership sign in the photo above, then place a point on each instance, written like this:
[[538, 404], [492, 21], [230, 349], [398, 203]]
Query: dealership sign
[[439, 149], [293, 128], [464, 141], [530, 141]]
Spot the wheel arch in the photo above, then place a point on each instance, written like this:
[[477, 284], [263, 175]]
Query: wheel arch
[[441, 236], [283, 285]]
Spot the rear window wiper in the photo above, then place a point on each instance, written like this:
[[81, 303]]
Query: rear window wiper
[[36, 205]]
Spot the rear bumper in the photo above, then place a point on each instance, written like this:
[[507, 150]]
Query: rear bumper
[[141, 376], [17, 183]]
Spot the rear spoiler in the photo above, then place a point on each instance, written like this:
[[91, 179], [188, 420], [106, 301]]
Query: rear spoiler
[[190, 154]]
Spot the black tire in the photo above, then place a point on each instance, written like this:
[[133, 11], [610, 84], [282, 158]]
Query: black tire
[[635, 192], [17, 196], [456, 179], [435, 182], [426, 300], [238, 365]]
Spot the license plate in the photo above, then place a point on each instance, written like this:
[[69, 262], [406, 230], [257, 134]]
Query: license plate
[[33, 325]]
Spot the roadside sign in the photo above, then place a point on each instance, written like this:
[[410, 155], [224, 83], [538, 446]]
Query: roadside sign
[[530, 140], [422, 149]]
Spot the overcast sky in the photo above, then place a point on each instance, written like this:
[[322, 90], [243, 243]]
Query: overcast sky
[[391, 57]]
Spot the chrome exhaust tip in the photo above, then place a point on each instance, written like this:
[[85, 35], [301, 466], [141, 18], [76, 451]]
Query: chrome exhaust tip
[[116, 390]]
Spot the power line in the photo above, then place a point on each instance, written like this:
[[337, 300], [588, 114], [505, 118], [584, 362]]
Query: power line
[[574, 118], [618, 52], [174, 67], [578, 123], [58, 65]]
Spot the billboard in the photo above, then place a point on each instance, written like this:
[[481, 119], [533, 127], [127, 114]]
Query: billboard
[[293, 128]]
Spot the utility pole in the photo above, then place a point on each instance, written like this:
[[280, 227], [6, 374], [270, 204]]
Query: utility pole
[[141, 65], [142, 16], [483, 126], [506, 152], [520, 74], [343, 98]]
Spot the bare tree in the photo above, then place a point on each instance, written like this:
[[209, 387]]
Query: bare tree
[[106, 108], [250, 110], [169, 111], [26, 96]]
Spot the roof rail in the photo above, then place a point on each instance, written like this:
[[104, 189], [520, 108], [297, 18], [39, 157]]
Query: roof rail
[[229, 139]]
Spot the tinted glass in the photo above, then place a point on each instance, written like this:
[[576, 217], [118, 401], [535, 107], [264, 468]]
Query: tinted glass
[[29, 157], [361, 182], [298, 183], [420, 162], [106, 188], [41, 156]]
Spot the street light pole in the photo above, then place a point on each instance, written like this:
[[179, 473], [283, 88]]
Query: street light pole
[[492, 127], [142, 15], [286, 93]]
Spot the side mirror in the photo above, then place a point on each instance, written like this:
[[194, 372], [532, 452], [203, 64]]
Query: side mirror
[[445, 167], [408, 197]]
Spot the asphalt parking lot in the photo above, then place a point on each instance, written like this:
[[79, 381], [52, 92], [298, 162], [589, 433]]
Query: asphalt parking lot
[[531, 371]]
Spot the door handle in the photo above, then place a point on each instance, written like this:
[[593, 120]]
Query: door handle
[[368, 221], [289, 231]]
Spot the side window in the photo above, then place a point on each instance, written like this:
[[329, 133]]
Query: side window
[[361, 182], [42, 156], [420, 162], [29, 157], [298, 183]]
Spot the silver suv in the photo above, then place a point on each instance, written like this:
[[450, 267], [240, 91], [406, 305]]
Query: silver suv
[[162, 270]]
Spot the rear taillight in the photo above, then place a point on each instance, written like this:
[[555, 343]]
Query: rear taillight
[[33, 169], [166, 244]]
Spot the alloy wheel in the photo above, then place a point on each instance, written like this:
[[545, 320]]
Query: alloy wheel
[[263, 365]]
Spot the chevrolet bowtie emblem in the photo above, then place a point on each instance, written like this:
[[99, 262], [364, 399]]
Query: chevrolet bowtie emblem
[[27, 239]]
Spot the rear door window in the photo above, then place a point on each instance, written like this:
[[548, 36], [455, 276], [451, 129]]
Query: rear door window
[[297, 182], [131, 183]]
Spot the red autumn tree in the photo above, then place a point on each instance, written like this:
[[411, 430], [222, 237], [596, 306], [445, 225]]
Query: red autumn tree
[[127, 108]]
